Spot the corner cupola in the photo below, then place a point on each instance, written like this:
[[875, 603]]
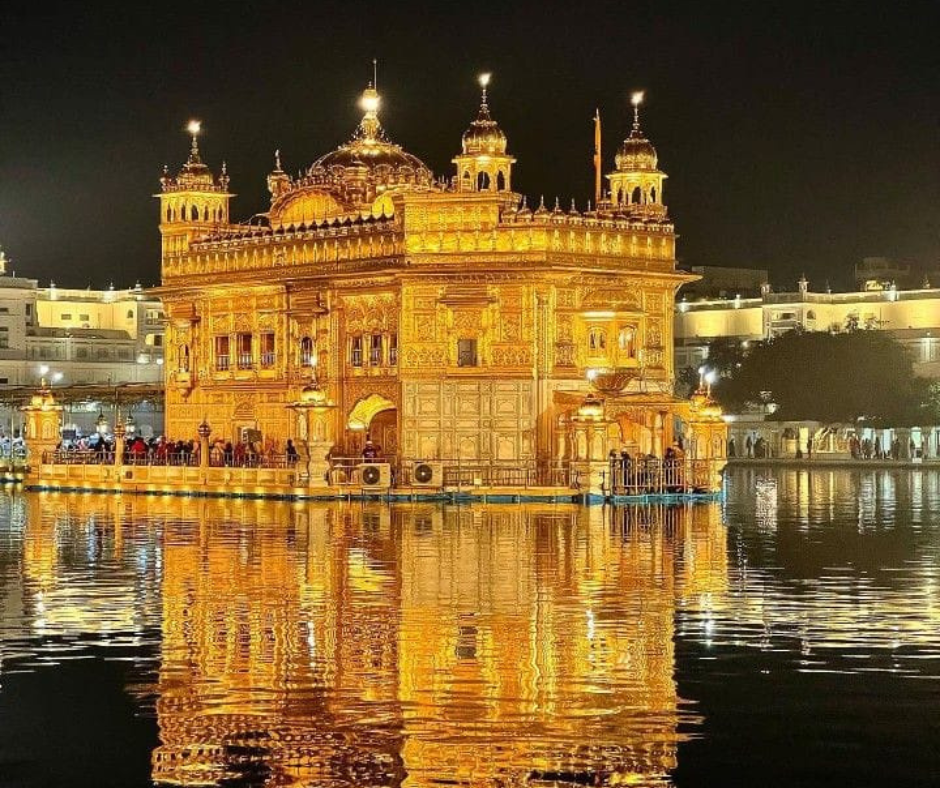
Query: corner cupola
[[484, 165]]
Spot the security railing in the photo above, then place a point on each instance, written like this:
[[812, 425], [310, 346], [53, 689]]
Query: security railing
[[455, 473], [656, 476], [217, 459]]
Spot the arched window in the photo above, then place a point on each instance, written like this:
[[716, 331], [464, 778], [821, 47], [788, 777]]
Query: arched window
[[501, 181], [169, 214], [637, 197], [306, 352], [619, 199], [467, 182], [194, 213], [184, 358], [626, 341], [597, 339], [205, 214], [483, 182], [653, 194]]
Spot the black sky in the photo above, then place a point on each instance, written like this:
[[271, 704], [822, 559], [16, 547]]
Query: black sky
[[797, 137]]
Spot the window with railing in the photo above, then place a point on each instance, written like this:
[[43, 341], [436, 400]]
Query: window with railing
[[393, 350], [306, 352], [222, 353], [244, 350], [267, 349], [375, 350], [355, 355], [466, 353]]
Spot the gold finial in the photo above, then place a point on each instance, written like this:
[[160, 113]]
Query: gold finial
[[369, 127], [636, 99], [277, 160], [375, 73], [484, 80], [194, 127]]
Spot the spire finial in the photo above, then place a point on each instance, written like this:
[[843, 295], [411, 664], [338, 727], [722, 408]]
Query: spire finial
[[375, 73], [636, 99], [484, 80], [277, 159], [194, 127]]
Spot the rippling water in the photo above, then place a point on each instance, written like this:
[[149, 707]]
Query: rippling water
[[788, 636]]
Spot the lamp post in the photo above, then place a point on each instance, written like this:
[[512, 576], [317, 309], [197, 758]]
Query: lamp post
[[313, 406]]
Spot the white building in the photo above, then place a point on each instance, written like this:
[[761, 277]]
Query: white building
[[77, 338], [911, 316]]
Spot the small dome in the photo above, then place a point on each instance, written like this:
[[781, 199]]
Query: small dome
[[636, 153], [484, 135]]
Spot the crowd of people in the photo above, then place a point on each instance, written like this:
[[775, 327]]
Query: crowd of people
[[860, 448], [160, 450]]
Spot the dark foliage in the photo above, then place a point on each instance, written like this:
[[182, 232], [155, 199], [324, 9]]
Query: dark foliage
[[828, 377]]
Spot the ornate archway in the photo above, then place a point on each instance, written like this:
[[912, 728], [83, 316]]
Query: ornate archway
[[373, 414]]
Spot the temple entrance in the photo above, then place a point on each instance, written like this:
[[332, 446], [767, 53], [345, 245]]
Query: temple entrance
[[376, 418], [643, 432]]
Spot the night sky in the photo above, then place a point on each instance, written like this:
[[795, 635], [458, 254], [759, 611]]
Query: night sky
[[797, 137]]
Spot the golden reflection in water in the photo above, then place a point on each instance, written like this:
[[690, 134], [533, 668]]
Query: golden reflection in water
[[327, 644]]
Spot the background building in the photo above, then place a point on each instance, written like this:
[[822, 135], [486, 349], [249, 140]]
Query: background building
[[75, 339], [911, 316]]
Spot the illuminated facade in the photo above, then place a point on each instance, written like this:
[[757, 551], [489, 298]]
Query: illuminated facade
[[444, 318], [911, 316]]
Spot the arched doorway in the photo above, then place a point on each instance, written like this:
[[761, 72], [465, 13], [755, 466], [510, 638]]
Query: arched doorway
[[373, 417]]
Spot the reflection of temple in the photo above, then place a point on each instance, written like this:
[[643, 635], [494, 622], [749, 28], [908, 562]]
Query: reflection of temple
[[323, 645], [449, 320]]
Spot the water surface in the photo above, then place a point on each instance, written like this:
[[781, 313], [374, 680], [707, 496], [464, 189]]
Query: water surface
[[788, 636]]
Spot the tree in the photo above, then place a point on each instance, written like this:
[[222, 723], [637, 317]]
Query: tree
[[832, 378]]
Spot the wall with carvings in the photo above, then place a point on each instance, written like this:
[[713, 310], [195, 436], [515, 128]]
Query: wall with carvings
[[467, 419]]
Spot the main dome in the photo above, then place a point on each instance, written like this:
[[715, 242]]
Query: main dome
[[371, 156]]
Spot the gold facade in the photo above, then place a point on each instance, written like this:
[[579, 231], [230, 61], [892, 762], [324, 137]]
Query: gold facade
[[445, 318]]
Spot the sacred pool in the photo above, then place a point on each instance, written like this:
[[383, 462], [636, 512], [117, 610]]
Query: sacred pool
[[753, 640]]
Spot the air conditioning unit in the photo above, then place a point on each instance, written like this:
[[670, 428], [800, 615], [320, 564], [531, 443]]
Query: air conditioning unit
[[375, 475], [427, 474]]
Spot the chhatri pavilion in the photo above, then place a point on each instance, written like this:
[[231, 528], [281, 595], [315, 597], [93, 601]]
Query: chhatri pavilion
[[442, 318]]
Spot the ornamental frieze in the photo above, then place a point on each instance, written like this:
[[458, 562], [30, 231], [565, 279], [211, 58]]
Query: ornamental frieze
[[432, 357], [512, 356]]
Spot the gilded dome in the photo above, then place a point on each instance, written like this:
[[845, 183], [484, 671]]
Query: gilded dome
[[371, 156], [484, 135], [636, 152]]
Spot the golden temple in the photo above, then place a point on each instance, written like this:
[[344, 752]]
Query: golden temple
[[443, 318]]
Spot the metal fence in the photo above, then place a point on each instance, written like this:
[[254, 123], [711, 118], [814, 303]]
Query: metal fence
[[217, 459], [655, 476], [455, 473]]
